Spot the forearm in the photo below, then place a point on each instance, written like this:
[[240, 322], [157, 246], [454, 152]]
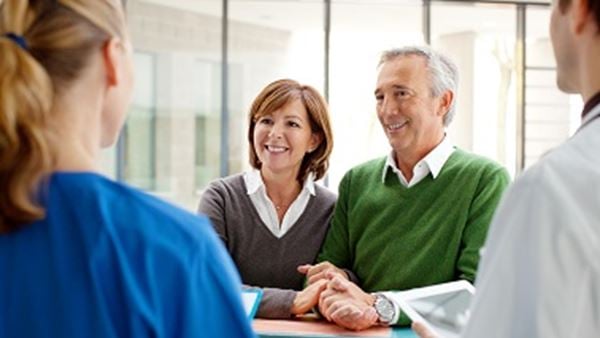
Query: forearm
[[276, 303]]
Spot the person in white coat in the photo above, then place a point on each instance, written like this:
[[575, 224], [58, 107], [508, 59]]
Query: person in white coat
[[540, 272]]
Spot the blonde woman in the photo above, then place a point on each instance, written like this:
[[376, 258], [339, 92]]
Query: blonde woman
[[274, 217], [81, 255]]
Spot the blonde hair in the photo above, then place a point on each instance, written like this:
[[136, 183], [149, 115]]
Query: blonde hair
[[275, 96], [61, 36]]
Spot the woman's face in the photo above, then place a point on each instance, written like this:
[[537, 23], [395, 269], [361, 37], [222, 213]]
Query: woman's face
[[281, 139]]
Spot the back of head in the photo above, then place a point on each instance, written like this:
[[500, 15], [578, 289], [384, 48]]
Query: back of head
[[442, 70], [45, 46]]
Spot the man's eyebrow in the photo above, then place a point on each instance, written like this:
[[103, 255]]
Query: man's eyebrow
[[378, 90]]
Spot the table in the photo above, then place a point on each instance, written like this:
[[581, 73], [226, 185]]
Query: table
[[314, 328]]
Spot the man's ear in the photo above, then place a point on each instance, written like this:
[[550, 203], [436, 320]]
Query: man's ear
[[445, 102], [111, 54], [579, 14]]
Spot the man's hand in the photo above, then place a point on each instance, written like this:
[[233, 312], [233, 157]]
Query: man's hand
[[422, 331], [319, 271], [308, 298], [347, 305]]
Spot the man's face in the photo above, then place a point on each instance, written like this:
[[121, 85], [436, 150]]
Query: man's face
[[411, 118], [564, 50]]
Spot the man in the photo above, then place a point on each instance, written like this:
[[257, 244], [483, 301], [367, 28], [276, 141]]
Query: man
[[418, 216], [540, 275]]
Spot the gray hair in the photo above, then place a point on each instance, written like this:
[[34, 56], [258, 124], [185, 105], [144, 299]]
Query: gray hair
[[442, 71]]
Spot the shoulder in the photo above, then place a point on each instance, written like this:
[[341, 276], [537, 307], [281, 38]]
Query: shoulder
[[372, 168], [139, 217], [475, 165], [324, 195], [233, 182]]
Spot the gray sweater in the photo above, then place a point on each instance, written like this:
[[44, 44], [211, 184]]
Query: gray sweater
[[262, 259]]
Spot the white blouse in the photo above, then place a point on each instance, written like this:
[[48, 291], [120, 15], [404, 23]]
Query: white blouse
[[255, 188]]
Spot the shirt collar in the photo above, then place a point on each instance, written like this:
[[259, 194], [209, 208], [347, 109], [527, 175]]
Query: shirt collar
[[434, 160], [254, 182], [590, 105], [591, 110]]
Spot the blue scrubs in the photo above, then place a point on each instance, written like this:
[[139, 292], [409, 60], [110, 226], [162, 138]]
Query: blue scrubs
[[111, 261]]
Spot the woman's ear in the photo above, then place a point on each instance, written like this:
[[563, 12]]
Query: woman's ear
[[315, 141], [112, 55]]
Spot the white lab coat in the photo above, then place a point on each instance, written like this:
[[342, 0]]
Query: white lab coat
[[540, 270]]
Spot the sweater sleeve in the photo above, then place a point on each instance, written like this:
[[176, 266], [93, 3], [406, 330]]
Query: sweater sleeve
[[490, 188], [336, 248], [276, 303], [212, 204]]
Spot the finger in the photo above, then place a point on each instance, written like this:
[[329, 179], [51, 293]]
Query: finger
[[370, 315], [317, 268], [303, 269], [346, 316], [421, 330], [339, 284], [314, 291], [332, 307], [316, 277]]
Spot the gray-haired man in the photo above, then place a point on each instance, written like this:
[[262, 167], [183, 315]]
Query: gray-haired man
[[417, 216]]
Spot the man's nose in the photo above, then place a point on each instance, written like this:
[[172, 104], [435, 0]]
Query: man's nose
[[389, 107]]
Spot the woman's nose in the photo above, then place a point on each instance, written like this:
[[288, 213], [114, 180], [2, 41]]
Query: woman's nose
[[276, 131]]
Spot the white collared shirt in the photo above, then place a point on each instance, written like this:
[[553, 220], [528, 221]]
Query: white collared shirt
[[431, 163], [539, 276], [256, 190]]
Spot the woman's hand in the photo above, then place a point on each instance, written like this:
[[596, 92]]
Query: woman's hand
[[308, 298]]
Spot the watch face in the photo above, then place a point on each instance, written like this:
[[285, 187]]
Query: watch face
[[385, 309]]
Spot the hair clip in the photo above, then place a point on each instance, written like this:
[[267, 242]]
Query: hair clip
[[18, 39]]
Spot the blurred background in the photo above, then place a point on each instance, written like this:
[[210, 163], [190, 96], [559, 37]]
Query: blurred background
[[200, 63]]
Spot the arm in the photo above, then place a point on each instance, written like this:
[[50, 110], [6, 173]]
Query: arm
[[212, 204], [488, 194], [211, 304], [282, 303], [336, 247]]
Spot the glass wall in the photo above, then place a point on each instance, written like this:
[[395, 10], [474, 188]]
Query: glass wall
[[551, 115], [173, 142], [482, 43], [356, 44], [269, 40]]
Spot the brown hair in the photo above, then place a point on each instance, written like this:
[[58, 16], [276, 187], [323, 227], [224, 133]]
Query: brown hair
[[60, 37], [593, 6], [275, 96]]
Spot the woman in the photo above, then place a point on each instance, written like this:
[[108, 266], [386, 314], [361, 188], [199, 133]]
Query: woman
[[274, 217], [81, 255]]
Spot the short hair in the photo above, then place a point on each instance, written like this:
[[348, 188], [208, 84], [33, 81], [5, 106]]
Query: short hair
[[276, 95], [593, 6], [443, 73]]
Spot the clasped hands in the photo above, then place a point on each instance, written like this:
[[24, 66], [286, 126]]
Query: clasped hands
[[339, 300]]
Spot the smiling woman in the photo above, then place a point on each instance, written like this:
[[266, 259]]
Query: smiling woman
[[273, 218]]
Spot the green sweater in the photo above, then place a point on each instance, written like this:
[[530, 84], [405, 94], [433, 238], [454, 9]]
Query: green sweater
[[397, 238]]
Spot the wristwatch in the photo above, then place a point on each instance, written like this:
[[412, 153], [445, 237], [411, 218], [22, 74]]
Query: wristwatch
[[384, 308]]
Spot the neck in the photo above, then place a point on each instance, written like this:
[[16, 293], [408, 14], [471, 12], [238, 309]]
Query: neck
[[76, 125], [406, 160], [282, 188], [589, 67]]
